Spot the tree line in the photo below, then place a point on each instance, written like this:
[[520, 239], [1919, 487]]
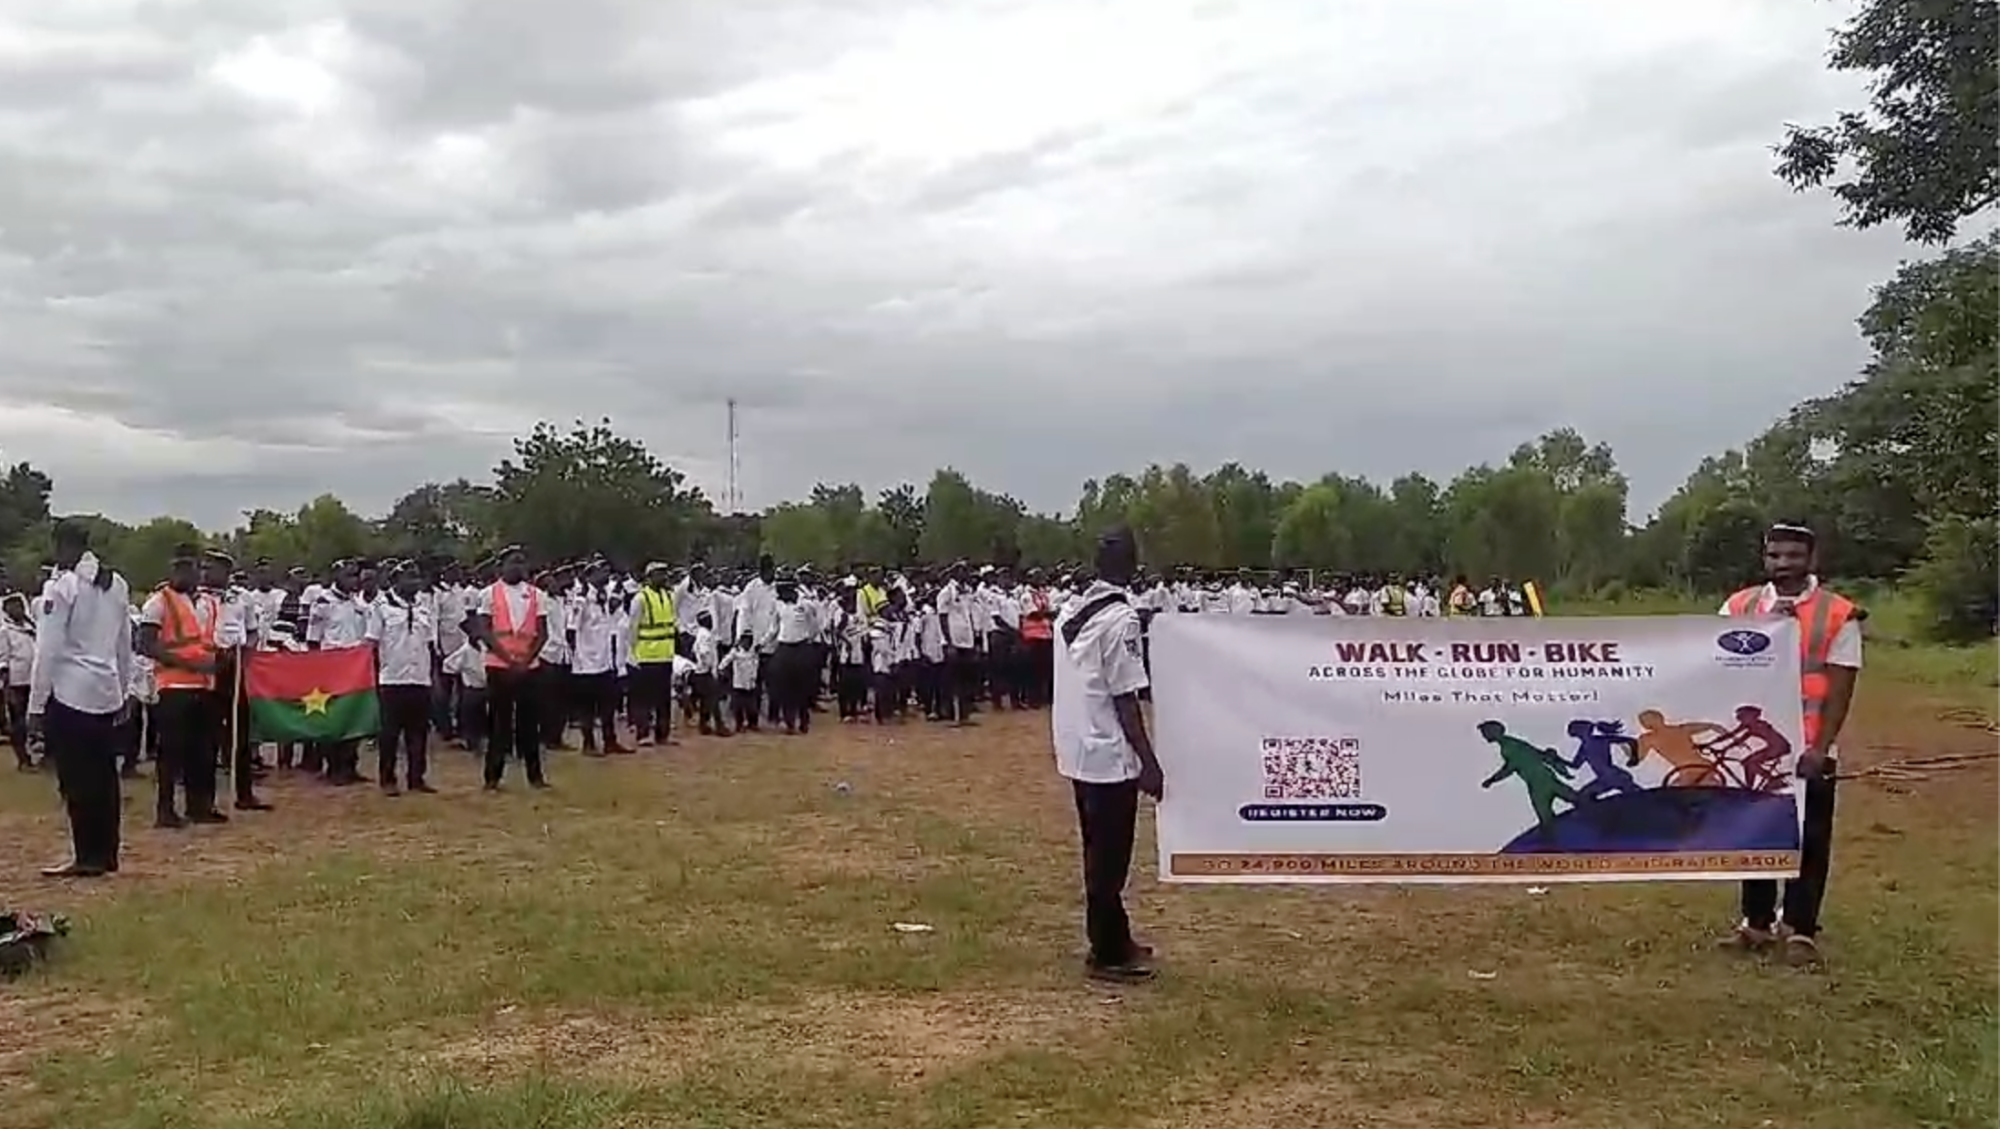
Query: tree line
[[1897, 469]]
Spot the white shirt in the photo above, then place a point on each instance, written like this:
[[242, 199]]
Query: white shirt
[[796, 622], [599, 616], [1240, 600], [757, 613], [404, 634], [743, 668], [1845, 650], [1104, 662], [955, 609], [704, 650], [338, 620], [468, 662], [555, 648], [930, 636], [17, 652], [83, 642], [690, 600], [450, 602]]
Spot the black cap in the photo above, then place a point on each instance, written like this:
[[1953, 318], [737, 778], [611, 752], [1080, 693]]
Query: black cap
[[186, 551]]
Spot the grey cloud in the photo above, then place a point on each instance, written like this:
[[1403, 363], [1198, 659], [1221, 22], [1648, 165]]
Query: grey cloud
[[1303, 261]]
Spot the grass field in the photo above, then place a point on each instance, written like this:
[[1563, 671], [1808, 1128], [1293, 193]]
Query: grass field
[[704, 938]]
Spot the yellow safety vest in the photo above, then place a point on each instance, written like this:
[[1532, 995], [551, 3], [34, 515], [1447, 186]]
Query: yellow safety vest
[[653, 635], [872, 599], [1393, 603]]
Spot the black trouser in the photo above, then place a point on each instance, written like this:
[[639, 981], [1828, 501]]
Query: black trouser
[[406, 729], [961, 684], [231, 708], [708, 702], [17, 724], [884, 687], [510, 706], [930, 687], [1107, 815], [1039, 658], [129, 735], [83, 749], [444, 700], [187, 751], [743, 708], [558, 703], [1003, 669], [653, 701], [1803, 894], [472, 718], [597, 696], [791, 685], [852, 687]]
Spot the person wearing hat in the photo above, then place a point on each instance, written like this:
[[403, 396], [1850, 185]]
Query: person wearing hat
[[177, 631], [655, 626], [958, 614], [791, 671], [558, 692], [756, 615], [1103, 748], [82, 666], [510, 620], [339, 618], [598, 623], [405, 638], [239, 624]]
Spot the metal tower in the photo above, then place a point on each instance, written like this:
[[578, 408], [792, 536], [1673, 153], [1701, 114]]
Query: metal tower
[[732, 499]]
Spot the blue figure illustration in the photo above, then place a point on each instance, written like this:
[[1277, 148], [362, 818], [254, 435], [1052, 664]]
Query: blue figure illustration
[[1595, 741]]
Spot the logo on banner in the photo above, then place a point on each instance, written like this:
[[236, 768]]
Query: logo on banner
[[1744, 647]]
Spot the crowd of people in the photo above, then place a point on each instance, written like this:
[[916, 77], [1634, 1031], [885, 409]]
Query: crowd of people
[[510, 662]]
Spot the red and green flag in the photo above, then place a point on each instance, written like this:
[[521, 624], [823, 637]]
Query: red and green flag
[[312, 695]]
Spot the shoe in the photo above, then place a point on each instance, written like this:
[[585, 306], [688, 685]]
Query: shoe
[[1802, 951], [169, 821], [74, 870], [389, 788], [423, 789], [1747, 939], [208, 816], [490, 786], [621, 751], [252, 803], [1134, 971], [540, 785]]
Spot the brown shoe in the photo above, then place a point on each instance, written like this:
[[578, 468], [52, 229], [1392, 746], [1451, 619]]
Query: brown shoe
[[1747, 939], [1802, 951]]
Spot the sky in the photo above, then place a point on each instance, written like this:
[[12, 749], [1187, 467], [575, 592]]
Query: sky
[[256, 250]]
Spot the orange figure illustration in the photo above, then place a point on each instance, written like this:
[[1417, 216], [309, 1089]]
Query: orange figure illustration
[[1683, 746], [1760, 763]]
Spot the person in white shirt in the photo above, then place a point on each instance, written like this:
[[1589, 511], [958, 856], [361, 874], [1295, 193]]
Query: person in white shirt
[[794, 627], [851, 659], [239, 623], [17, 663], [467, 666], [339, 618], [510, 620], [598, 629], [448, 600], [81, 669], [1103, 749], [745, 669], [756, 614], [1830, 653], [138, 730], [957, 612], [706, 681], [405, 635], [931, 673]]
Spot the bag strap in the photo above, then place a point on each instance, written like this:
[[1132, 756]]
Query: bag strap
[[1088, 612]]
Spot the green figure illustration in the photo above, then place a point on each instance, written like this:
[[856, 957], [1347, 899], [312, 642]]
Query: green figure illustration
[[1541, 770]]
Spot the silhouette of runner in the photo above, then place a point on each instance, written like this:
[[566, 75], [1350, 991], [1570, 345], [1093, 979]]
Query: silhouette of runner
[[1540, 770], [1595, 741]]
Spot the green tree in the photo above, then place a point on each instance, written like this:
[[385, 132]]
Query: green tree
[[566, 494]]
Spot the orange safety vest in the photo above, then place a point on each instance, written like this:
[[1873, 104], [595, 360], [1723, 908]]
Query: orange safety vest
[[186, 638], [1037, 623], [1821, 616], [515, 641]]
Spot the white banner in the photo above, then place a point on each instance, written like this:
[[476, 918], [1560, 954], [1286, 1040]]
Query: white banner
[[1367, 749]]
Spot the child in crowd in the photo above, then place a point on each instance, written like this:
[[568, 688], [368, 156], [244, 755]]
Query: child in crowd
[[743, 660], [850, 659], [468, 665], [707, 690]]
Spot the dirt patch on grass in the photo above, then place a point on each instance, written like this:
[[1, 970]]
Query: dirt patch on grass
[[35, 1024], [900, 1038]]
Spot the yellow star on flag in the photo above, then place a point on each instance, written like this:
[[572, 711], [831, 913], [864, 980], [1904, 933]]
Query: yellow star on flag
[[315, 700]]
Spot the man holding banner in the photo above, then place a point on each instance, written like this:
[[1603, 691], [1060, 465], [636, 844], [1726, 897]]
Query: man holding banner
[[1829, 662], [1102, 747]]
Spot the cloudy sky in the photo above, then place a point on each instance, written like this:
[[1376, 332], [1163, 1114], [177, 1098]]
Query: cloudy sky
[[251, 250]]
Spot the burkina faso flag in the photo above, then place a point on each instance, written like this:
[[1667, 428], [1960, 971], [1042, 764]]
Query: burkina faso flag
[[312, 695]]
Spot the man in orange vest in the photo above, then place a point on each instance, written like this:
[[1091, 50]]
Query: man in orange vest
[[510, 617], [1829, 662], [1038, 617], [177, 631]]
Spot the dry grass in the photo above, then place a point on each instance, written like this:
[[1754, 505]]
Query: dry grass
[[704, 937]]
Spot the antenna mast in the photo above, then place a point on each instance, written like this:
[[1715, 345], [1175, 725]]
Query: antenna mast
[[732, 499]]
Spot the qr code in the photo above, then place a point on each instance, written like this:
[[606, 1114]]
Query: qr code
[[1312, 768]]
